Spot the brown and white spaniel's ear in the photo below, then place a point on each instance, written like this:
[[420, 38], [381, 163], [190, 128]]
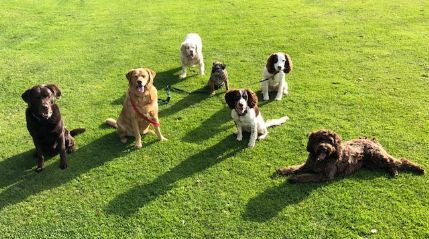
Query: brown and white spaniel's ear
[[152, 74], [288, 64], [26, 96], [270, 63], [55, 90], [230, 98], [129, 74], [252, 99]]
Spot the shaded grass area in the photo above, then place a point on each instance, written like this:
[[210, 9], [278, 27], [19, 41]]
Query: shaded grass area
[[361, 69]]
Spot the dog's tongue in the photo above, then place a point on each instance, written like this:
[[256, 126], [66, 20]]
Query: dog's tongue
[[140, 89]]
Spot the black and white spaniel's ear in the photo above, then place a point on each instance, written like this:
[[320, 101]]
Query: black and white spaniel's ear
[[230, 98], [252, 99], [288, 64], [223, 66], [55, 90], [270, 63]]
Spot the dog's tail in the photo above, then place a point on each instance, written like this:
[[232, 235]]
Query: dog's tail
[[112, 122], [276, 122], [77, 131], [410, 166]]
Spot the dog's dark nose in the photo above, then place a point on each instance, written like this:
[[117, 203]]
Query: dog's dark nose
[[191, 52], [45, 107], [139, 82], [279, 67], [240, 104]]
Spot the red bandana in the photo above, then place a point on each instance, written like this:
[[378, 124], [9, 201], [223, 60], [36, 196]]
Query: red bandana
[[151, 121]]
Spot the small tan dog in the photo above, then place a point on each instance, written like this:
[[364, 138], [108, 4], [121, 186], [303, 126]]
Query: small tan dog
[[140, 107]]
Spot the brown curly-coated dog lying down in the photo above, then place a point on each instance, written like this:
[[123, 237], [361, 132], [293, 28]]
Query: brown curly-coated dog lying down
[[328, 158]]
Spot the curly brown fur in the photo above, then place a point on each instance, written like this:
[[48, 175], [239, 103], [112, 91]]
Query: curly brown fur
[[45, 125], [328, 158], [218, 77]]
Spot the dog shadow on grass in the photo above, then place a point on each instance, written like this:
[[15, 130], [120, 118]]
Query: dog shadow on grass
[[213, 124], [131, 201], [269, 203], [18, 179]]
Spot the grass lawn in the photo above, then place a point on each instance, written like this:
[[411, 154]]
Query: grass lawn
[[361, 69]]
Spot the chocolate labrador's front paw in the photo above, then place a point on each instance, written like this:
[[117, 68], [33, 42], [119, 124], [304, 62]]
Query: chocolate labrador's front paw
[[63, 166]]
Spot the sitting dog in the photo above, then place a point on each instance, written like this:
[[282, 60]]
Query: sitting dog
[[45, 125], [218, 77], [273, 76], [328, 158], [140, 107], [191, 53], [245, 113]]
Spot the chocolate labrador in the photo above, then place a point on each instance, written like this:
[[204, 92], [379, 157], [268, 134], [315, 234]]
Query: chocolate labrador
[[45, 125]]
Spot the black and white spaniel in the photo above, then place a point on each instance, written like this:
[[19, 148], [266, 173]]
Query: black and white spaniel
[[273, 76], [245, 113]]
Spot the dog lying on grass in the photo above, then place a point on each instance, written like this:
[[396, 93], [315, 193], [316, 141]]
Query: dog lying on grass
[[328, 158], [45, 125]]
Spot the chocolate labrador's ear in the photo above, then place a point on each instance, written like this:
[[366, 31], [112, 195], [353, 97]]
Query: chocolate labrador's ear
[[288, 64], [26, 96], [55, 90], [129, 74], [252, 99], [230, 98], [270, 63]]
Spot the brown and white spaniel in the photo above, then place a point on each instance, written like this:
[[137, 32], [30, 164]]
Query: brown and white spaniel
[[245, 113], [273, 77]]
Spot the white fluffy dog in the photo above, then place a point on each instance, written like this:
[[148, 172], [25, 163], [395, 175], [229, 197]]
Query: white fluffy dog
[[245, 113], [273, 76], [191, 53]]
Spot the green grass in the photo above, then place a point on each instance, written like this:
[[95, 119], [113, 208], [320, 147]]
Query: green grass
[[361, 68]]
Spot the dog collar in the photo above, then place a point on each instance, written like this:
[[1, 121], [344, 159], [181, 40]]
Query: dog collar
[[37, 117], [151, 121]]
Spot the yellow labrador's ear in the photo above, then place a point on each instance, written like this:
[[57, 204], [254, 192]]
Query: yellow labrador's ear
[[55, 90], [252, 99], [152, 74], [26, 96], [129, 74], [270, 63], [288, 64]]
